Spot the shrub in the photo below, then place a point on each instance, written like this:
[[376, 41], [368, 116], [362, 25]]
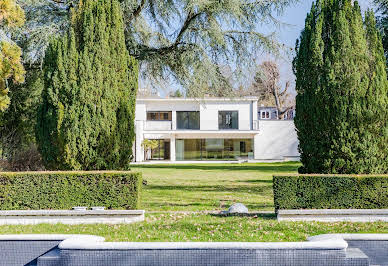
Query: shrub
[[63, 190], [331, 192]]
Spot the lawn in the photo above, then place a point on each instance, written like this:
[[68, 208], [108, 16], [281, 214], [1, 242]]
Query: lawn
[[210, 186], [178, 198]]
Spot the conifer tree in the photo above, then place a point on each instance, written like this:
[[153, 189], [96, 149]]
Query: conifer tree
[[86, 120], [342, 87]]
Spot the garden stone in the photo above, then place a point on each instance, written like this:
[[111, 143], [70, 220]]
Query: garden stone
[[238, 208]]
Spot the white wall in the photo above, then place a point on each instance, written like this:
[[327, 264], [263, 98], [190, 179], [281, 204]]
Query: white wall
[[209, 114], [172, 106], [140, 112], [276, 140], [208, 111]]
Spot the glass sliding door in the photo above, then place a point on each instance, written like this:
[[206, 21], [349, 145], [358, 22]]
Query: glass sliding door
[[161, 152], [213, 149]]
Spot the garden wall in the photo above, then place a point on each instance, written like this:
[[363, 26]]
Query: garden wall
[[64, 190], [331, 192], [277, 140]]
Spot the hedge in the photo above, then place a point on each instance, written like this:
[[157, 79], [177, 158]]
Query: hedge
[[331, 192], [64, 190]]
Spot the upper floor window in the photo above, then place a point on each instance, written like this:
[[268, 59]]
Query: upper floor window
[[228, 119], [159, 116], [188, 120], [265, 115]]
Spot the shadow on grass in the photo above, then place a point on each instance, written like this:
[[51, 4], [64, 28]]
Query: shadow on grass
[[268, 181], [262, 167], [266, 216], [215, 188]]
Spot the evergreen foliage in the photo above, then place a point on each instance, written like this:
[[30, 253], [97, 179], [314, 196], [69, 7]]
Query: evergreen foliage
[[330, 192], [382, 23], [17, 123], [11, 16], [64, 190], [175, 41], [342, 101], [86, 120]]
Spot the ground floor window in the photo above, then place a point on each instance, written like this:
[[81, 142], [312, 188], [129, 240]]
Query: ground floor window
[[213, 149], [161, 152]]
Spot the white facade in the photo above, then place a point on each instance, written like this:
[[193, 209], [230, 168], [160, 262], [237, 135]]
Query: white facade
[[209, 129]]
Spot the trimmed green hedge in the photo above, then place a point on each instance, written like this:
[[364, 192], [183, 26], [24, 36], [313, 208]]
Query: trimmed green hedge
[[331, 192], [64, 190]]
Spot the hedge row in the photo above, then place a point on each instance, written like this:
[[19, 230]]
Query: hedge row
[[64, 190], [330, 192]]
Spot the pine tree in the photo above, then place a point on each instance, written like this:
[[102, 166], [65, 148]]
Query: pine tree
[[86, 120], [342, 90]]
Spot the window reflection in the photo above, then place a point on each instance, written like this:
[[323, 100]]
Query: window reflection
[[228, 119], [188, 120], [214, 149]]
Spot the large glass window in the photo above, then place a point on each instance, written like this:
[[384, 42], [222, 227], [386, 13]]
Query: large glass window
[[161, 152], [159, 116], [188, 120], [213, 149], [228, 119]]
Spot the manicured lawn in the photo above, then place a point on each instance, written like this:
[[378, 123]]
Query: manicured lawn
[[210, 186], [172, 189]]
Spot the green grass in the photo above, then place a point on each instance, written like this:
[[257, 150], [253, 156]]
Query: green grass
[[203, 227], [194, 188], [210, 186]]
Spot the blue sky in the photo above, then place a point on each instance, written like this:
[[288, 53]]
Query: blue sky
[[293, 20], [295, 16]]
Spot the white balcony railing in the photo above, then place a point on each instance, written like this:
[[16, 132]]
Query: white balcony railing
[[157, 125]]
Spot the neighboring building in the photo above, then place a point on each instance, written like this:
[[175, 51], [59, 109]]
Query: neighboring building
[[210, 129], [271, 113]]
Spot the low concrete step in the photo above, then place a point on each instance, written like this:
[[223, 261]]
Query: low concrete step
[[355, 256], [332, 215], [51, 258]]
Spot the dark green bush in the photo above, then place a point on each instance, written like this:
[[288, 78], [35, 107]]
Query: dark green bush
[[63, 190], [331, 192]]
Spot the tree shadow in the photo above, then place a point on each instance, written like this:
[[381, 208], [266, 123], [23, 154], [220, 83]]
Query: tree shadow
[[266, 216], [272, 167], [268, 181], [214, 188]]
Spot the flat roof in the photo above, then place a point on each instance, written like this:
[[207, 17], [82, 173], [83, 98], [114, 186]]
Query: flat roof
[[210, 99]]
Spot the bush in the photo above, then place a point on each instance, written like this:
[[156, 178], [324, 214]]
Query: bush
[[64, 190], [331, 192]]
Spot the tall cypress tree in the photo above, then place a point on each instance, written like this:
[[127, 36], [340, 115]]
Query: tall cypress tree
[[342, 87], [86, 120]]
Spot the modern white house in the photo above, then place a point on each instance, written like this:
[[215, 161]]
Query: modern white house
[[217, 129]]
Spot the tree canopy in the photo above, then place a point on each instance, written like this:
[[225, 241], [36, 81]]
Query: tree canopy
[[382, 23], [342, 100], [179, 40], [11, 16], [86, 120]]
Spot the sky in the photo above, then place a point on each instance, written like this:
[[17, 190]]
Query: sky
[[294, 18]]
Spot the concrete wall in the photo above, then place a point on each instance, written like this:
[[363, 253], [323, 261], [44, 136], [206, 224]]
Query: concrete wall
[[78, 250], [209, 114], [208, 111], [277, 140]]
